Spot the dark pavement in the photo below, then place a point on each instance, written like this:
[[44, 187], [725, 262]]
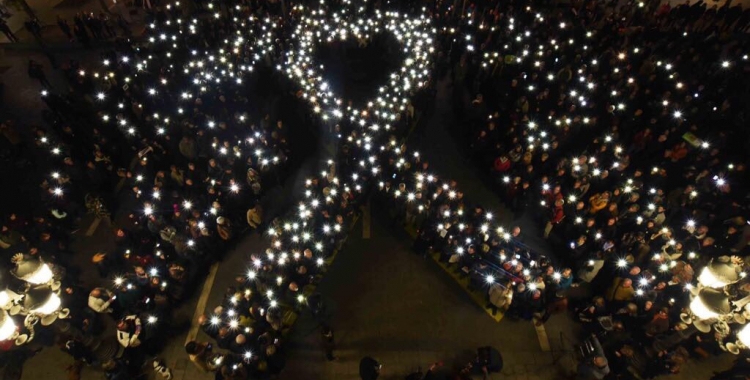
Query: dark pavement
[[403, 310]]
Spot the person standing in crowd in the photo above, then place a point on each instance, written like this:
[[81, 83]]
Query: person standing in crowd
[[500, 296], [596, 367], [129, 331], [255, 216], [65, 27], [557, 216], [100, 300], [327, 338], [369, 368], [36, 71], [200, 354]]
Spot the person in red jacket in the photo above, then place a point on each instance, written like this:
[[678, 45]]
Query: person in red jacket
[[502, 164], [558, 214]]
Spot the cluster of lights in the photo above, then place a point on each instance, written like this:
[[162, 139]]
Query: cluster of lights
[[607, 154], [207, 70], [372, 147], [300, 235], [539, 72], [255, 39]]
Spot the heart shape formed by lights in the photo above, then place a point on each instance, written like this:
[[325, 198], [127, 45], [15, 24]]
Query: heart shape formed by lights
[[414, 35]]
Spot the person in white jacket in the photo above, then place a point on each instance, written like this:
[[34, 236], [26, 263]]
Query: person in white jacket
[[128, 331], [100, 299], [500, 296]]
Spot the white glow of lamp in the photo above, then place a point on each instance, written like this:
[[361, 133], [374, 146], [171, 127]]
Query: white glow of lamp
[[744, 335], [52, 305], [4, 299], [710, 303], [707, 278], [720, 272], [42, 276], [700, 310], [7, 326]]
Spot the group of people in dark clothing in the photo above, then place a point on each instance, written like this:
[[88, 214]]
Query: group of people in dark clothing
[[618, 127], [88, 26], [176, 187], [599, 120]]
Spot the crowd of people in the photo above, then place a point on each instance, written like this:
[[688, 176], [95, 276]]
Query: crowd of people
[[179, 185], [620, 129], [84, 28], [629, 94], [88, 26], [250, 321]]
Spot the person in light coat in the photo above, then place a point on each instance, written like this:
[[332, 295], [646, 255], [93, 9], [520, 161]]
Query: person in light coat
[[254, 216], [100, 299], [500, 296]]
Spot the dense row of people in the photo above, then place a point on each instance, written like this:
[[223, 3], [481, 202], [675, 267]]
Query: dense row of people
[[88, 26]]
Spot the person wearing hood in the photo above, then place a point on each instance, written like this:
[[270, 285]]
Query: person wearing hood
[[595, 368]]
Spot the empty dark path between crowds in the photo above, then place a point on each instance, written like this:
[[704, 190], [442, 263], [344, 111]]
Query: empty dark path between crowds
[[389, 303], [403, 310]]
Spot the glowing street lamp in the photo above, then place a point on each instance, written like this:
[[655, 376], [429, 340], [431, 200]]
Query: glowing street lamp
[[744, 335], [720, 272], [34, 271], [7, 326]]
